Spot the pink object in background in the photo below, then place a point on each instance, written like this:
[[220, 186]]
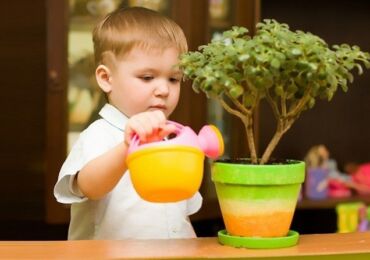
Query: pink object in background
[[362, 178], [338, 189]]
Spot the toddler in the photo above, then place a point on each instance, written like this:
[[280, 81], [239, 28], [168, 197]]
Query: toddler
[[136, 52]]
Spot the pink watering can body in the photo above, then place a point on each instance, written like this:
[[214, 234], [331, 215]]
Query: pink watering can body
[[172, 170]]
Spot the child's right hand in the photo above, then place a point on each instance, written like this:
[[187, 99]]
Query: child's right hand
[[149, 126]]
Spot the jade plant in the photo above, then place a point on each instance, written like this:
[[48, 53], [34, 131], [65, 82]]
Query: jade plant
[[288, 69]]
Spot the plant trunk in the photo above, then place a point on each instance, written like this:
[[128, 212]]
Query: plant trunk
[[282, 127], [272, 145], [248, 124]]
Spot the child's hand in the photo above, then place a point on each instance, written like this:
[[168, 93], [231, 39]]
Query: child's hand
[[149, 126]]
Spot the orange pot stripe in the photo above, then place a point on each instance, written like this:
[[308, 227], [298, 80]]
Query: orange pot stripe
[[275, 224]]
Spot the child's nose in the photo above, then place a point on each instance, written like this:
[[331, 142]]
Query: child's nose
[[162, 88]]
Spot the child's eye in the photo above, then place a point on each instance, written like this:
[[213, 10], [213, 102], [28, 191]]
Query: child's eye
[[146, 78], [174, 80]]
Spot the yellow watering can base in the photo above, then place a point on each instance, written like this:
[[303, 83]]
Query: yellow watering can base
[[167, 195], [166, 173]]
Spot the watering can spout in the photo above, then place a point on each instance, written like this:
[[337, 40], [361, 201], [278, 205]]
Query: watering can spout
[[211, 141]]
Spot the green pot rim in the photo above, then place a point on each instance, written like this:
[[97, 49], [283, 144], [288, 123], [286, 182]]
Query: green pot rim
[[251, 174]]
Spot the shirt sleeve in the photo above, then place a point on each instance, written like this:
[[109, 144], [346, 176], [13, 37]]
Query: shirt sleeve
[[91, 143], [194, 204]]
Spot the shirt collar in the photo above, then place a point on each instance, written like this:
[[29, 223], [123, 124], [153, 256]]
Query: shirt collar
[[113, 116]]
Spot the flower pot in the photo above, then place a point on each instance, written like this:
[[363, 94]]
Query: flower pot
[[258, 200]]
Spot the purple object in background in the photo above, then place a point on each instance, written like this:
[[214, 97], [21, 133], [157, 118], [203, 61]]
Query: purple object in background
[[316, 186]]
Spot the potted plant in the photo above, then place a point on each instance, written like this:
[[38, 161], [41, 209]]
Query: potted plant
[[289, 70]]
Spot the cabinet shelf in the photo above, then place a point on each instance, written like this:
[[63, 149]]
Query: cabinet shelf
[[211, 209], [330, 202]]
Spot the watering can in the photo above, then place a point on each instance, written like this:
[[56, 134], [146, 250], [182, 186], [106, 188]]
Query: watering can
[[172, 170]]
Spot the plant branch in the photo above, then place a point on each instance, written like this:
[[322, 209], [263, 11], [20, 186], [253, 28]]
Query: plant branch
[[300, 105], [273, 105], [274, 141], [283, 104], [256, 101], [248, 124], [282, 127], [230, 110], [238, 104]]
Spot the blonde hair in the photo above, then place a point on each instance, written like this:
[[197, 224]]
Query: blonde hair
[[124, 29]]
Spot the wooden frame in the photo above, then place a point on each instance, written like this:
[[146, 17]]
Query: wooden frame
[[191, 16], [247, 14], [56, 105]]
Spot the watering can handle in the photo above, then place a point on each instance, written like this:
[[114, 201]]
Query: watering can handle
[[179, 126], [135, 141]]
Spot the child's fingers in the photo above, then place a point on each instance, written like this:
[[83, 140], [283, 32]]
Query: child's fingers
[[135, 127], [156, 120], [149, 126], [129, 133], [166, 130], [159, 117], [146, 124], [161, 133]]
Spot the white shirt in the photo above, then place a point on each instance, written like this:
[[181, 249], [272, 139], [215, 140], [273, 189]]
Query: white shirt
[[121, 213]]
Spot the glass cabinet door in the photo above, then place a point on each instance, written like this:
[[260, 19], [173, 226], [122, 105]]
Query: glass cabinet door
[[222, 15], [219, 20]]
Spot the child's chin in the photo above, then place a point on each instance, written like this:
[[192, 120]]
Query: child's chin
[[160, 109]]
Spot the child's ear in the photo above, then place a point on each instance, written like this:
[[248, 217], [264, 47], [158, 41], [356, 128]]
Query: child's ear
[[103, 76]]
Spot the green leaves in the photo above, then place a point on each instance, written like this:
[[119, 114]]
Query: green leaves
[[295, 52], [236, 32], [276, 61], [236, 91], [289, 69]]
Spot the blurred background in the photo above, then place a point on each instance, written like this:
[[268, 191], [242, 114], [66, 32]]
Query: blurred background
[[49, 95]]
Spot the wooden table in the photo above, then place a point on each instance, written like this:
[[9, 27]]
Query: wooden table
[[325, 246]]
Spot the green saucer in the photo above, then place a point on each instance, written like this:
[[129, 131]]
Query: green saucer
[[258, 242]]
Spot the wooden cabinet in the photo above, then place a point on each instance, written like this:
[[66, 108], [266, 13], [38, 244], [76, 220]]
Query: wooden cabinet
[[342, 125], [34, 79], [34, 108], [23, 131]]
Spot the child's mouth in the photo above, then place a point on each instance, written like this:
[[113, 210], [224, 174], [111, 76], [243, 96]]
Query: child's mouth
[[158, 107]]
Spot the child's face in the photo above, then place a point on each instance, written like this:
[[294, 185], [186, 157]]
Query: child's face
[[146, 80]]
